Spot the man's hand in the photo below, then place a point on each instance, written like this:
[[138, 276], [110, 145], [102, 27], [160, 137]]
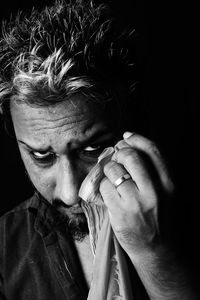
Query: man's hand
[[133, 205], [133, 212]]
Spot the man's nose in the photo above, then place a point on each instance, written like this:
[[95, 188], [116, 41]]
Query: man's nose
[[67, 182]]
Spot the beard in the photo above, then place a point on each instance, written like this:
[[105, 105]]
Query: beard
[[78, 227], [74, 219]]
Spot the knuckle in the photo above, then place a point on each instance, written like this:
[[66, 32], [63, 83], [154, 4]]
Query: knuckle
[[122, 154], [132, 157], [153, 147], [145, 143], [121, 144], [108, 167]]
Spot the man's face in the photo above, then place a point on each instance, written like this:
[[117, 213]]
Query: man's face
[[59, 145]]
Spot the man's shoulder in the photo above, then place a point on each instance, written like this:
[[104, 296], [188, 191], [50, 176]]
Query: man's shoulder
[[21, 215]]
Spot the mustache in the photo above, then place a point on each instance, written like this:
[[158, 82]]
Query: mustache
[[76, 224], [58, 203]]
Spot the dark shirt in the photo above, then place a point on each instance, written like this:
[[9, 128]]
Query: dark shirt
[[38, 260], [37, 257]]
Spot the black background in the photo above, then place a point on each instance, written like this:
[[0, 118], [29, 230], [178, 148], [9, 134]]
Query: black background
[[169, 53]]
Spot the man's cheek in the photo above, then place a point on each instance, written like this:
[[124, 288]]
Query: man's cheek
[[45, 188], [43, 183]]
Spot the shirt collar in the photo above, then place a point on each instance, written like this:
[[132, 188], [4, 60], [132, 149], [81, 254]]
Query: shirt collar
[[48, 219]]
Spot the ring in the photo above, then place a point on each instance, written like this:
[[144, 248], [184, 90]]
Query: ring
[[121, 179]]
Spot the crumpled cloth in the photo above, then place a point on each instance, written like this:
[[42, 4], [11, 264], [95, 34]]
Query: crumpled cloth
[[110, 274]]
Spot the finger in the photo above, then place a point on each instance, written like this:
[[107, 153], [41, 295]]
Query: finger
[[121, 144], [127, 134], [134, 164], [141, 143], [109, 194], [113, 200], [114, 171]]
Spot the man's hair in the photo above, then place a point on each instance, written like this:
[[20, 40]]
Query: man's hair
[[69, 47]]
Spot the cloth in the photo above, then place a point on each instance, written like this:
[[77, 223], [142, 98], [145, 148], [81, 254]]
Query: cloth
[[110, 276], [38, 259]]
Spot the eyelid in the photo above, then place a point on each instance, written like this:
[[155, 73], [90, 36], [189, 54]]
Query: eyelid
[[41, 155]]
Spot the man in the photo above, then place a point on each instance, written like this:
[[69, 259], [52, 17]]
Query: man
[[65, 76]]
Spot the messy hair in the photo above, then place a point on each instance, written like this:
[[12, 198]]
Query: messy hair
[[69, 47]]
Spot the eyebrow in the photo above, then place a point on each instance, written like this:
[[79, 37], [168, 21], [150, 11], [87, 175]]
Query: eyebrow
[[98, 137], [39, 149], [95, 138]]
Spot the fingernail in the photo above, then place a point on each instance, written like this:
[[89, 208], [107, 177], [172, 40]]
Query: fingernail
[[127, 134]]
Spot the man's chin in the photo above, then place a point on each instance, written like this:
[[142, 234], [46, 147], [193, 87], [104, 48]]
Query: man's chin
[[78, 226], [76, 222]]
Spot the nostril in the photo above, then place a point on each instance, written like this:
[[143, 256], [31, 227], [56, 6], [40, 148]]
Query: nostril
[[66, 203], [59, 203]]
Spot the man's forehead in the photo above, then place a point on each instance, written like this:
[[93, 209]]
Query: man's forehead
[[74, 120], [75, 105]]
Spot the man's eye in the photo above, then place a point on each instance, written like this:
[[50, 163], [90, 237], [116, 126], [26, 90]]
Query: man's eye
[[43, 157], [92, 148], [92, 152]]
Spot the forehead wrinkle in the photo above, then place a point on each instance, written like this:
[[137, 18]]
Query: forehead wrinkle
[[62, 125], [65, 117], [39, 123]]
